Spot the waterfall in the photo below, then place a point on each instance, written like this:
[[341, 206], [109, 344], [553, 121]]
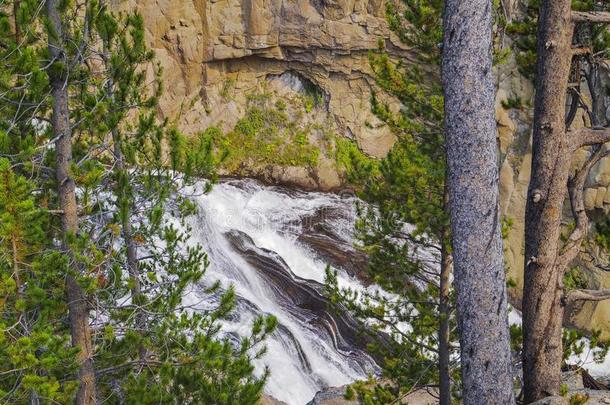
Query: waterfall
[[273, 245]]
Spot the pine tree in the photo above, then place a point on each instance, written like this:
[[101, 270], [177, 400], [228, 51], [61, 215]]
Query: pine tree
[[562, 74], [37, 362], [123, 212], [406, 228], [472, 183]]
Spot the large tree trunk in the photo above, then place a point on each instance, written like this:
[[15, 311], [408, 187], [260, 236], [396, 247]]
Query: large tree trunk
[[551, 162], [77, 301], [472, 160]]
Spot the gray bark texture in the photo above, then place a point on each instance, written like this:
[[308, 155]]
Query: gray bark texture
[[473, 194]]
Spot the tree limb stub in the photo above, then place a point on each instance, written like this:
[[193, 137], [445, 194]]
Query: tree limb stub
[[589, 136], [591, 17], [589, 295], [581, 51]]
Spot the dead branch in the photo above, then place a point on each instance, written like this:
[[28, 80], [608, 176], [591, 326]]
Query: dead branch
[[589, 295], [576, 186], [575, 102], [589, 136], [581, 50], [591, 17]]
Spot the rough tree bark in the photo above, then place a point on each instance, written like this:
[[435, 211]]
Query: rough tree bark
[[551, 161], [470, 127], [60, 122], [547, 257]]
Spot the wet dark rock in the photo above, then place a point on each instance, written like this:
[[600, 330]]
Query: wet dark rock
[[318, 234], [305, 300], [331, 396]]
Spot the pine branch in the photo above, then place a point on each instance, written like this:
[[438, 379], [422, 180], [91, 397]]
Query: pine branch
[[591, 17], [140, 363], [15, 370]]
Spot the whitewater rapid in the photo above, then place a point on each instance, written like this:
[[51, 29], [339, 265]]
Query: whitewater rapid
[[272, 244], [246, 229]]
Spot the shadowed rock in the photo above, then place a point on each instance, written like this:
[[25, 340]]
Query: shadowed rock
[[304, 299]]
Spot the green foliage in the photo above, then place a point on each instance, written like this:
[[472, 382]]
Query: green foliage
[[265, 135], [524, 31], [602, 237], [404, 217], [357, 166], [579, 399], [512, 102], [425, 17], [575, 343], [31, 299], [312, 96], [574, 279], [131, 171], [507, 224]]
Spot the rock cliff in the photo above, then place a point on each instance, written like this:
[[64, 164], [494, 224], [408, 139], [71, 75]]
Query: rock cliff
[[216, 54]]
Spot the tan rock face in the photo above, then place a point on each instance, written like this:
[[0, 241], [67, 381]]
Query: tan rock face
[[216, 52]]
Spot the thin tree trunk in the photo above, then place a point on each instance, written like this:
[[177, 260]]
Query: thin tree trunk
[[551, 162], [443, 331], [472, 161], [77, 301], [22, 314], [16, 271], [16, 6], [126, 228]]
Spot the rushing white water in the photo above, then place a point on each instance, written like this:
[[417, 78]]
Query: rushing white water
[[252, 233], [303, 357]]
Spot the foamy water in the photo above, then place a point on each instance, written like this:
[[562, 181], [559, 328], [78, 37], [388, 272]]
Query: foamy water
[[271, 218]]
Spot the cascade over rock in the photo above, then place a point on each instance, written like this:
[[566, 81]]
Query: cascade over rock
[[217, 52]]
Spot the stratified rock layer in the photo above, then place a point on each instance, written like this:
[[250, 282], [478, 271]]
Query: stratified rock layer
[[216, 52]]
